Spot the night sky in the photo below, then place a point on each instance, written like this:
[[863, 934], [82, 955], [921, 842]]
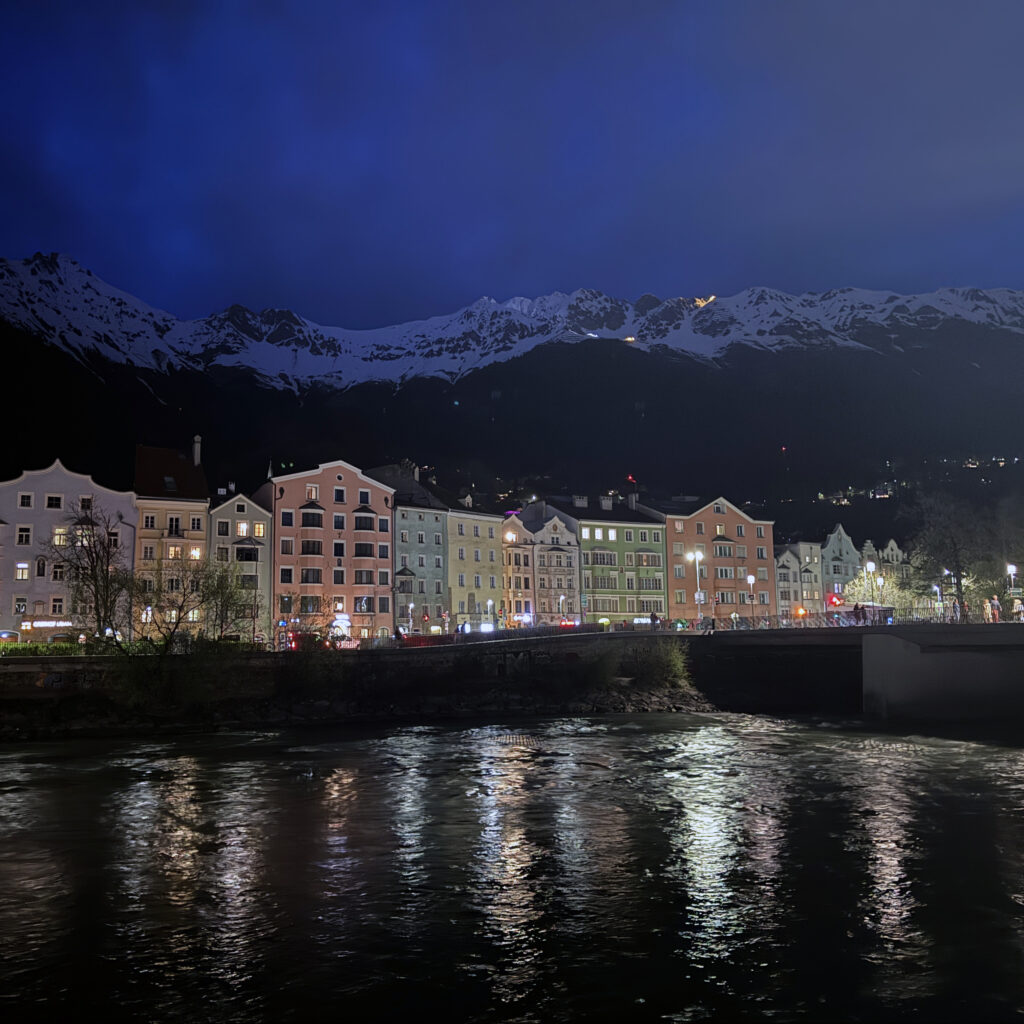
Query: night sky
[[369, 163]]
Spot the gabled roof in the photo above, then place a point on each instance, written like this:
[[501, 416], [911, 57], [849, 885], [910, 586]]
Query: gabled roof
[[232, 498], [620, 512], [168, 473]]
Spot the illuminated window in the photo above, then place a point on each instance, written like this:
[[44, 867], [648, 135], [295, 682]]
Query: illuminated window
[[241, 528], [174, 551], [312, 492], [259, 529], [585, 532], [613, 534], [21, 571], [195, 553], [60, 536]]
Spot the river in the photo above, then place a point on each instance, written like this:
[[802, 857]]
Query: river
[[658, 867]]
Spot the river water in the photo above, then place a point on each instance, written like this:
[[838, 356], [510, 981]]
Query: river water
[[658, 867]]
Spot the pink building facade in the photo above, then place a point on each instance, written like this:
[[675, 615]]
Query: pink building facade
[[333, 552]]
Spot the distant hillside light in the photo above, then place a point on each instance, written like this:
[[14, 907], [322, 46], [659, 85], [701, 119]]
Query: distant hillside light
[[630, 338], [703, 302]]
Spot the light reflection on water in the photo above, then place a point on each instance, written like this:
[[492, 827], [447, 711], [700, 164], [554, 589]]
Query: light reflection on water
[[655, 868]]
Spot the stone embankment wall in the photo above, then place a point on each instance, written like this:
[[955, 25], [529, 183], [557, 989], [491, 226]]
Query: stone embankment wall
[[561, 675]]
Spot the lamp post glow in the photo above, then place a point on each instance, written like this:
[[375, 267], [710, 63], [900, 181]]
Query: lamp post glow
[[750, 584], [411, 606], [490, 604], [869, 579], [1011, 571], [695, 557], [561, 601]]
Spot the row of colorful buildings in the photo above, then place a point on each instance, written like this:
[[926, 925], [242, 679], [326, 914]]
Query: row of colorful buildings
[[337, 550]]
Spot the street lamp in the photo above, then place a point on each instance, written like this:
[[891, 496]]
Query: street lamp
[[750, 583], [490, 604], [1011, 571], [695, 557], [869, 579], [881, 580], [561, 600], [411, 606]]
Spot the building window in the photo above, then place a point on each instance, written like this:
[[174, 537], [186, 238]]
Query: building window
[[287, 574], [24, 536], [174, 526], [762, 597], [312, 492], [364, 523], [287, 517], [384, 551], [339, 495], [284, 603], [309, 604], [364, 497], [311, 575], [55, 501], [760, 531], [57, 606], [383, 604], [339, 577], [437, 538], [339, 549], [339, 521], [241, 528], [312, 520], [476, 554], [719, 529], [700, 528], [174, 550], [382, 526], [21, 571], [258, 529], [719, 509], [363, 550], [149, 522], [461, 529], [24, 500], [195, 552], [462, 579], [762, 553], [222, 554], [739, 529], [222, 528], [197, 522], [585, 532], [476, 529], [148, 552]]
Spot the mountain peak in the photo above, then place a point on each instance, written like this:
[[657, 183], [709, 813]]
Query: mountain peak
[[51, 296]]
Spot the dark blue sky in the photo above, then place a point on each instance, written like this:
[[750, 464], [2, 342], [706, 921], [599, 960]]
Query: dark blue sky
[[368, 163]]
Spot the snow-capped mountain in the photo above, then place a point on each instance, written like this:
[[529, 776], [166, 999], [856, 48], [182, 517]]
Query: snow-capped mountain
[[54, 298]]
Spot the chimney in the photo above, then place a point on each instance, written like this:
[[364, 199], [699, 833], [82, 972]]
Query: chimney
[[197, 443], [416, 473], [231, 486], [579, 501], [606, 502], [632, 500]]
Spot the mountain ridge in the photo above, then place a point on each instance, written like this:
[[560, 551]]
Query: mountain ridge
[[53, 297]]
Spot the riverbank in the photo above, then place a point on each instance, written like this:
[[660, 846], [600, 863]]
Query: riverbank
[[108, 697]]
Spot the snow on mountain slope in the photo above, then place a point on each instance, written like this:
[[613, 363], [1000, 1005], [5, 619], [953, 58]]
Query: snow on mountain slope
[[51, 296]]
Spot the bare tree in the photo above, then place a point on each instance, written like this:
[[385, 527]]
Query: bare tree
[[170, 599], [88, 555], [231, 608]]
